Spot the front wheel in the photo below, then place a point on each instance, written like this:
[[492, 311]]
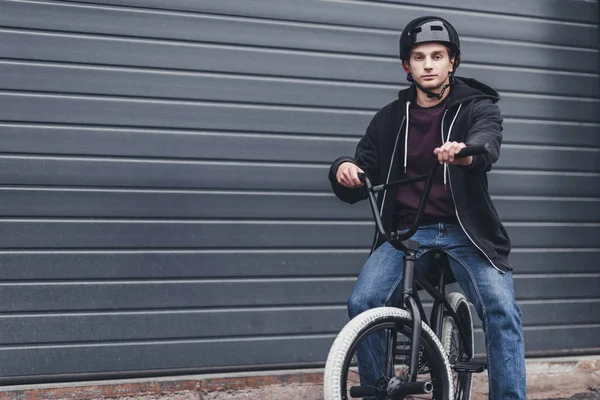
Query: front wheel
[[373, 348]]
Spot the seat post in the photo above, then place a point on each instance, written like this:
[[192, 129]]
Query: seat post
[[440, 266], [438, 306], [442, 282]]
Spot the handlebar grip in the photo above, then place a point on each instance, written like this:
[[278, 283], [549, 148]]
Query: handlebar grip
[[361, 176], [474, 150]]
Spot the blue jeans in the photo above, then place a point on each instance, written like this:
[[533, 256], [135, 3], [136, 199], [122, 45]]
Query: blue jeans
[[490, 291]]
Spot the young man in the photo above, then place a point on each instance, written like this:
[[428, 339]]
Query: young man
[[440, 114]]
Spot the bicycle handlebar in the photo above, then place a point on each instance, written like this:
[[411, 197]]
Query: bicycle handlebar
[[466, 152], [397, 237]]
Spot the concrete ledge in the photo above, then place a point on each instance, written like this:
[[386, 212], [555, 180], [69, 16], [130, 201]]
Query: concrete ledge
[[547, 379], [292, 384]]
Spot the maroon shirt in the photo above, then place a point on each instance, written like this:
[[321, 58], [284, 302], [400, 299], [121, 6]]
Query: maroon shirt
[[424, 135]]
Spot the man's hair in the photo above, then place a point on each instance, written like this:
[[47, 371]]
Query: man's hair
[[451, 53]]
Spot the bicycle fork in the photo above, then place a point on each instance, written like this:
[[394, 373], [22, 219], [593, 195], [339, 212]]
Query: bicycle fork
[[411, 305], [398, 387]]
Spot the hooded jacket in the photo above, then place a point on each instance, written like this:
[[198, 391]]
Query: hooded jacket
[[471, 117]]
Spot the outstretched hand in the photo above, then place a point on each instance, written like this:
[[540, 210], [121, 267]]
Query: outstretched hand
[[448, 150]]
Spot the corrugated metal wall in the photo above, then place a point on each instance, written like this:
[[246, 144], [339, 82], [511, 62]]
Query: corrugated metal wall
[[164, 201]]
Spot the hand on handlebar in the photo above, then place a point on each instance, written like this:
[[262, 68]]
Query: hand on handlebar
[[447, 152], [347, 175]]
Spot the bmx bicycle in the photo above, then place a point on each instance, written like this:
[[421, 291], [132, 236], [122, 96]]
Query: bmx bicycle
[[414, 357]]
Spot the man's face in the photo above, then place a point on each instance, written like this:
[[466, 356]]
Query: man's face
[[430, 65]]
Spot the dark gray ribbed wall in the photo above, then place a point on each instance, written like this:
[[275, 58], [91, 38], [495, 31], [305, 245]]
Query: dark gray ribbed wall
[[164, 201]]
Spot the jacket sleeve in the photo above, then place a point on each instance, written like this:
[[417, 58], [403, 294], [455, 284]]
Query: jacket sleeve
[[486, 128], [366, 158]]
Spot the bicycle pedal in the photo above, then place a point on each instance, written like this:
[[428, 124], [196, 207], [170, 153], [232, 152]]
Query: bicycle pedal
[[470, 366]]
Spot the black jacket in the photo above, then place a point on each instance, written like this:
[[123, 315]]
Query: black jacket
[[477, 120]]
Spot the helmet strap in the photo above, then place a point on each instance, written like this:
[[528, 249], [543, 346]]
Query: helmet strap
[[431, 94]]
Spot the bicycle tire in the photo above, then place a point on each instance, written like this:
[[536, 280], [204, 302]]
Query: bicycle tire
[[342, 351], [453, 343]]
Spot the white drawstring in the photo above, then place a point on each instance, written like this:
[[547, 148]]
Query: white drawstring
[[442, 135], [406, 136], [387, 180], [447, 139]]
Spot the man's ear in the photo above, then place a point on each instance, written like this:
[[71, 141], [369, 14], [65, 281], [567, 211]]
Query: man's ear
[[406, 67], [452, 63]]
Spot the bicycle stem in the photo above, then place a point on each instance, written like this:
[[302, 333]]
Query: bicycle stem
[[399, 238]]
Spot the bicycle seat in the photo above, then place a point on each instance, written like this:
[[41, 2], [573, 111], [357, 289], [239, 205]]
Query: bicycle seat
[[439, 263]]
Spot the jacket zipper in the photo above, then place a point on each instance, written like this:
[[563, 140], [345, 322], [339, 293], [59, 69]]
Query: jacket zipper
[[456, 208], [387, 179]]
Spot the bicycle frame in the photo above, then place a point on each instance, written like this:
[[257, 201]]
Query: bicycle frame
[[402, 242], [440, 307]]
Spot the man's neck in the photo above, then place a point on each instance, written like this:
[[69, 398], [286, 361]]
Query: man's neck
[[424, 101]]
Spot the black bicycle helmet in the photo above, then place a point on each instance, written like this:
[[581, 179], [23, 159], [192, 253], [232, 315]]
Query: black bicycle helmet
[[426, 30], [430, 29]]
